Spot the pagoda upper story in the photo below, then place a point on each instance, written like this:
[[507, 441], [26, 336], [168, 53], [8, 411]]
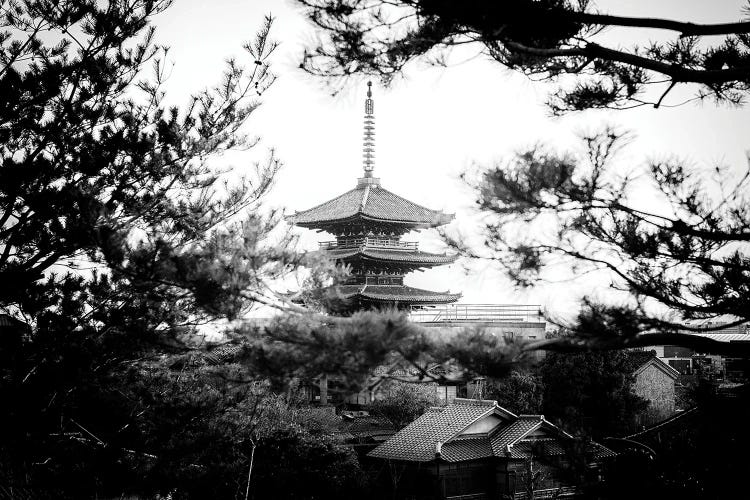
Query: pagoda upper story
[[368, 223]]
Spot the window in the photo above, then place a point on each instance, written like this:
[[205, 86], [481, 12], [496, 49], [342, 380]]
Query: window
[[681, 365], [511, 484]]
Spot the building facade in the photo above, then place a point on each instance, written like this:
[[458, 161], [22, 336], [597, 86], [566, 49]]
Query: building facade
[[721, 368], [655, 382]]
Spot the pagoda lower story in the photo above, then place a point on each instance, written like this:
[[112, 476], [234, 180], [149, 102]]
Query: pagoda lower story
[[378, 267]]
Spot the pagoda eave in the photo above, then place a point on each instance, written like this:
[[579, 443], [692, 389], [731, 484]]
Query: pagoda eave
[[394, 257], [325, 224], [405, 295]]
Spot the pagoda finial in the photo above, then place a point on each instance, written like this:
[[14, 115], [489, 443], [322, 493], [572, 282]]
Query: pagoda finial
[[368, 146]]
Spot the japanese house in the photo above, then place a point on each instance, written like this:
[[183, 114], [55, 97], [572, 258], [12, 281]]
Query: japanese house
[[476, 450]]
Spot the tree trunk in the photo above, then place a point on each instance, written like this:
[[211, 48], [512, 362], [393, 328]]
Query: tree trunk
[[250, 471]]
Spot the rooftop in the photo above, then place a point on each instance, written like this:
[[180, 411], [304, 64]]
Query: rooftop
[[469, 429], [417, 441], [370, 202]]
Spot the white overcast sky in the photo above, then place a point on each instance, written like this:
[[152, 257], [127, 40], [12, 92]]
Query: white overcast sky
[[431, 125]]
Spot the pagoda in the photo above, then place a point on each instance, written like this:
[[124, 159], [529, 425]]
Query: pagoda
[[368, 223]]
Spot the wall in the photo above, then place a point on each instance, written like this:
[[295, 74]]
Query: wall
[[483, 426], [657, 387], [523, 330]]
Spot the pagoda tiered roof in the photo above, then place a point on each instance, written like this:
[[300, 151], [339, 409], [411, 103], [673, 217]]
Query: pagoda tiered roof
[[370, 202], [368, 223]]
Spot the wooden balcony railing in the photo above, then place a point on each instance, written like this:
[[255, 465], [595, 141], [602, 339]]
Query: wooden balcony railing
[[549, 493], [389, 243], [469, 496], [482, 313]]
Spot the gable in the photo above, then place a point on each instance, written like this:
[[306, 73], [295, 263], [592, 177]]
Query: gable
[[656, 364], [483, 425], [540, 433]]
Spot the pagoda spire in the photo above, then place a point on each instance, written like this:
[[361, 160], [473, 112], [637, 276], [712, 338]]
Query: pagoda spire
[[368, 145]]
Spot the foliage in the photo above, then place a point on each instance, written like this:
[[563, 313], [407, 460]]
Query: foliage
[[521, 392], [119, 236], [591, 392], [99, 176], [685, 253], [693, 456], [145, 429], [350, 349], [546, 40], [296, 464], [401, 403]]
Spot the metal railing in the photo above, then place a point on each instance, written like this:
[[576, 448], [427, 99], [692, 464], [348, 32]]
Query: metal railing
[[389, 243], [485, 313]]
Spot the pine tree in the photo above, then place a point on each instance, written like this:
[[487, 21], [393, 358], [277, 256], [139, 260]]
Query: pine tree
[[552, 40], [120, 235]]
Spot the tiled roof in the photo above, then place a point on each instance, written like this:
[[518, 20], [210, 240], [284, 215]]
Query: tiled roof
[[638, 360], [9, 321], [460, 450], [367, 426], [392, 293], [526, 448], [513, 432], [373, 202], [601, 451], [423, 258], [552, 447], [725, 337], [417, 441]]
